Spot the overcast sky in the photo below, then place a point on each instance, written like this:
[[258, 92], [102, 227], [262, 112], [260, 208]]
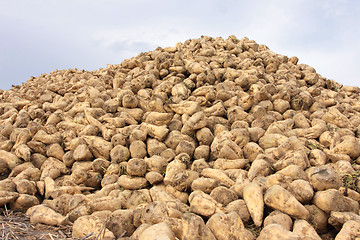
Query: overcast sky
[[39, 36]]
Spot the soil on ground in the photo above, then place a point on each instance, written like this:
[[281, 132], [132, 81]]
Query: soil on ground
[[16, 225]]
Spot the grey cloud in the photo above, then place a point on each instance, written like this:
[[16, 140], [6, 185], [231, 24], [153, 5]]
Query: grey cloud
[[130, 46]]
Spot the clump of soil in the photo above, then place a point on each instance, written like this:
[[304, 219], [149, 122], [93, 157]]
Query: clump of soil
[[210, 139]]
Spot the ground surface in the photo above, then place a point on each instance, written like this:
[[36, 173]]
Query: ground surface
[[16, 225]]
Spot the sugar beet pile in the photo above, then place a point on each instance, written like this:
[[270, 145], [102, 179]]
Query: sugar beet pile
[[211, 139]]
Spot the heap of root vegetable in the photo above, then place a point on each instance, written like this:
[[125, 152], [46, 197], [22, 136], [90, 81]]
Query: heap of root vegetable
[[210, 139]]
